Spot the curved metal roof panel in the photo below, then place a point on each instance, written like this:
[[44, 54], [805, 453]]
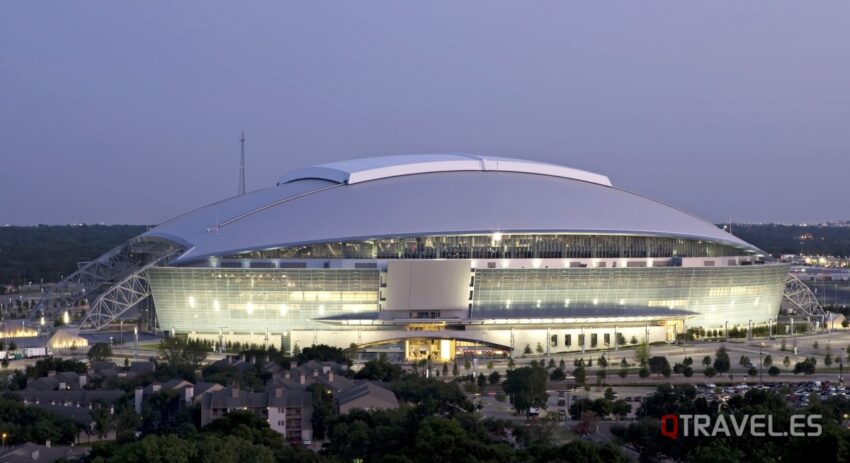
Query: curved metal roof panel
[[376, 168], [311, 210]]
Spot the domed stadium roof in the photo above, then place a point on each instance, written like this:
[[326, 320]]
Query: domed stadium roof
[[436, 194]]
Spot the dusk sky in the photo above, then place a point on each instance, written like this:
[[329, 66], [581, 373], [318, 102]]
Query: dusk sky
[[130, 112]]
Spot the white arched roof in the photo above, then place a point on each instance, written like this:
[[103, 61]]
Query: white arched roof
[[424, 195]]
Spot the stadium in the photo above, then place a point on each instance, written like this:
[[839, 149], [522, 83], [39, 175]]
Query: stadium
[[437, 256]]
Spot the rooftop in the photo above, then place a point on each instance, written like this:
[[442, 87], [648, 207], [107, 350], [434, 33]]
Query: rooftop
[[374, 168]]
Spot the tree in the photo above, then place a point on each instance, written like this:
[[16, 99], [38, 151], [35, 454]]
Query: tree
[[490, 365], [379, 370], [587, 424], [786, 362], [603, 361], [721, 360], [773, 371], [768, 360], [455, 370], [183, 353], [551, 363], [103, 421], [527, 388], [753, 371], [827, 360], [815, 345], [580, 374], [466, 364], [600, 376], [557, 375], [643, 372], [744, 361], [688, 371], [609, 394], [562, 365], [445, 369], [622, 373], [706, 361], [659, 365], [494, 377], [539, 348], [807, 367], [687, 361], [634, 341], [621, 408], [482, 382], [511, 363], [710, 372], [527, 350], [642, 353]]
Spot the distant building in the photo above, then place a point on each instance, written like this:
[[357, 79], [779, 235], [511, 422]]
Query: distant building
[[34, 453], [288, 412], [366, 396]]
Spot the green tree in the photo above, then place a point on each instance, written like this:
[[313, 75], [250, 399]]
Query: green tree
[[494, 377], [774, 371], [539, 348], [721, 360], [99, 352], [710, 372], [786, 361], [379, 370], [580, 374], [642, 353], [527, 350], [688, 371], [768, 360], [643, 372], [622, 373], [706, 361], [557, 375], [659, 365], [527, 388]]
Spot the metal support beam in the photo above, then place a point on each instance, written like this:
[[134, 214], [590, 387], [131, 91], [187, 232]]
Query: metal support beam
[[122, 296], [798, 298]]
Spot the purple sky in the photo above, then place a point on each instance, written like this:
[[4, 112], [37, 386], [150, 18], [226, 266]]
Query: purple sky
[[130, 112]]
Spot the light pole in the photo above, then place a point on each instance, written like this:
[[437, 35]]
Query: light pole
[[136, 335], [4, 442], [761, 364]]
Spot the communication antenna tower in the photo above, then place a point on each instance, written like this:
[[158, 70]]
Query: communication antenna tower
[[242, 165]]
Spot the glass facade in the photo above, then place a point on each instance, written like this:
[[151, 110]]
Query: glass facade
[[205, 300], [720, 294], [505, 246]]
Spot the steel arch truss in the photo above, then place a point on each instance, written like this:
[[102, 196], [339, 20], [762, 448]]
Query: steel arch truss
[[88, 278], [798, 298], [121, 296]]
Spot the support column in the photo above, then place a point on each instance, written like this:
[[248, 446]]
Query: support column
[[616, 339], [583, 339]]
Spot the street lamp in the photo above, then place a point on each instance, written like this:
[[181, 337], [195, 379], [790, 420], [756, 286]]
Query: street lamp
[[4, 441]]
